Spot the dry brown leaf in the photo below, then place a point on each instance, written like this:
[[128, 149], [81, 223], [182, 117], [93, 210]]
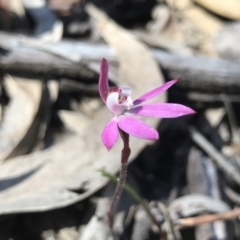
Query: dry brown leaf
[[74, 121], [131, 69], [25, 97], [226, 41], [16, 6], [206, 22], [197, 25], [228, 9], [67, 172]]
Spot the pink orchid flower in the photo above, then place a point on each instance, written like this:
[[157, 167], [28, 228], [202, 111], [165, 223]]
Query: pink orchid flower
[[119, 102]]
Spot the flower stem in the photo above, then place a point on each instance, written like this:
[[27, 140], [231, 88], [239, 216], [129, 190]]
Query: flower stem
[[122, 178], [135, 195]]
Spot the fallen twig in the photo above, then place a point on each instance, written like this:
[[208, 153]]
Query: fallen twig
[[171, 232], [215, 155], [194, 221]]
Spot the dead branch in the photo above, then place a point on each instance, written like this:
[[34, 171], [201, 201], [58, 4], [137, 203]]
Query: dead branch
[[197, 73]]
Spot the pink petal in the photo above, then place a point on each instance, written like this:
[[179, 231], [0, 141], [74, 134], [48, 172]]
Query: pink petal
[[110, 134], [155, 92], [137, 128], [161, 110], [103, 80]]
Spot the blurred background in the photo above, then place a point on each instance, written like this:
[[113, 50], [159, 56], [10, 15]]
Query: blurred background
[[51, 118]]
